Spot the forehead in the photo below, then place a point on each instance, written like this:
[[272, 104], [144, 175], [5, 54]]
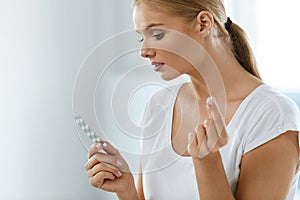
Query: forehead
[[143, 16]]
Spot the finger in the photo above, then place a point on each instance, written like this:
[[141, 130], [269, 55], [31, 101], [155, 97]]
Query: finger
[[103, 158], [222, 134], [103, 167], [218, 121], [192, 144], [94, 148], [216, 115], [103, 145], [119, 160], [213, 137], [108, 148], [202, 138], [214, 140], [200, 134], [98, 180]]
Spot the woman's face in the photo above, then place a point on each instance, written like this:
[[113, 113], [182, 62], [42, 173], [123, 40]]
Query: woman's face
[[158, 30]]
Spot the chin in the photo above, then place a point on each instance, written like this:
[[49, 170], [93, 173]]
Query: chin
[[169, 77], [169, 74]]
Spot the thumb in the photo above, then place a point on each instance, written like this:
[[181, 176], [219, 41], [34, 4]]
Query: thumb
[[192, 143]]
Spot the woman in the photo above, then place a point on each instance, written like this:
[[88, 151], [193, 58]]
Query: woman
[[251, 151]]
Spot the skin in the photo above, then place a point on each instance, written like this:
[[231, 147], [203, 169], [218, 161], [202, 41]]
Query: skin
[[273, 172]]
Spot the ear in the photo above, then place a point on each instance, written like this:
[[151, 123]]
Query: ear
[[204, 23]]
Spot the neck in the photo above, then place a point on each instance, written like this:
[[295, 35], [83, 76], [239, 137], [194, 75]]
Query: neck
[[222, 77]]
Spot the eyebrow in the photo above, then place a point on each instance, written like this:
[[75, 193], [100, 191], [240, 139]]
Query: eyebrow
[[151, 26]]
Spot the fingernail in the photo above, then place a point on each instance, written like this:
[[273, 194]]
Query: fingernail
[[205, 123], [119, 163], [196, 128], [210, 100], [190, 137], [98, 145], [105, 144], [190, 140], [119, 173], [189, 148]]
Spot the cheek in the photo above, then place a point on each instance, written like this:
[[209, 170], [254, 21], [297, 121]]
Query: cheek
[[183, 52], [171, 59], [178, 63]]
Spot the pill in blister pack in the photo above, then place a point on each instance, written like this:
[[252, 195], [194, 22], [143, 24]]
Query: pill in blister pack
[[86, 129]]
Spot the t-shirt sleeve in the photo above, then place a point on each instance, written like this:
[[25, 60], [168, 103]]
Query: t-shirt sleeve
[[273, 118]]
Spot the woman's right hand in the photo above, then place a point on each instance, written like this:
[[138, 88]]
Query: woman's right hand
[[107, 170]]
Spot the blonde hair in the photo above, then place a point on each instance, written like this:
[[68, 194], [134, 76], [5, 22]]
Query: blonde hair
[[235, 36]]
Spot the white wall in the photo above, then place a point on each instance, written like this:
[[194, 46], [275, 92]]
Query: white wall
[[42, 44]]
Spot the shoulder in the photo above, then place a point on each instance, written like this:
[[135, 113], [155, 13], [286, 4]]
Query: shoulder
[[267, 114], [278, 97], [267, 99]]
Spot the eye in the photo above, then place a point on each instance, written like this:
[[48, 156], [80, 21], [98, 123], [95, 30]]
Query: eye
[[139, 37], [158, 36], [141, 40]]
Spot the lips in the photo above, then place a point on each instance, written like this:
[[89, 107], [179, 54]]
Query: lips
[[157, 66]]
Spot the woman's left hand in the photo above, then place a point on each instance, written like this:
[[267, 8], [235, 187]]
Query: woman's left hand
[[210, 136]]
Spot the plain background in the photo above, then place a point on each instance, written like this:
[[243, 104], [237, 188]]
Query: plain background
[[42, 45]]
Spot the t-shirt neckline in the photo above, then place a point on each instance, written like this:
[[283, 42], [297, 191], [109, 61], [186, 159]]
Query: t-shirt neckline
[[244, 102]]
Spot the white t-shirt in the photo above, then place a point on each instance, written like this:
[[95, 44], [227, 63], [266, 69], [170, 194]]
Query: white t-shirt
[[262, 116]]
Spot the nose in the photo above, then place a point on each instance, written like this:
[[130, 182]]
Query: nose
[[147, 52]]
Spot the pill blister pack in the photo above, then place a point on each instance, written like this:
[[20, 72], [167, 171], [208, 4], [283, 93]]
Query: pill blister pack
[[86, 129]]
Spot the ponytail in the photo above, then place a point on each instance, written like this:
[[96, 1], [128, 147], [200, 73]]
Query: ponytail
[[242, 49]]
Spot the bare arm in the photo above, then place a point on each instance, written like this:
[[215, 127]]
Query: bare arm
[[211, 178], [266, 171]]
